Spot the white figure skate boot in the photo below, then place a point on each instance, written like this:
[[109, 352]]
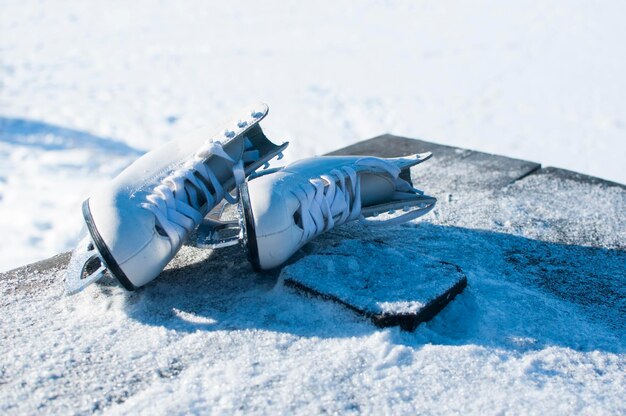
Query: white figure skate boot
[[140, 220], [285, 209]]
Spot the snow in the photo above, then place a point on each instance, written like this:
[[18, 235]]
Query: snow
[[211, 335], [539, 329], [86, 87]]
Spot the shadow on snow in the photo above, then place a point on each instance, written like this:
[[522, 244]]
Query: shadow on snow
[[522, 294], [45, 136]]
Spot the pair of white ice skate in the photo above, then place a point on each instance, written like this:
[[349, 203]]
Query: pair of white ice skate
[[136, 224]]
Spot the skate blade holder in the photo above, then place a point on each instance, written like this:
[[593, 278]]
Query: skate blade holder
[[85, 267], [397, 212], [225, 226], [218, 234]]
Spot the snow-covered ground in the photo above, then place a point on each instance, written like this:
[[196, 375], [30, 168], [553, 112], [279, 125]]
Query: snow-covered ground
[[86, 86], [539, 330]]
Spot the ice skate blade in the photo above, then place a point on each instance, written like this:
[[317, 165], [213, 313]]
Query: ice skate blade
[[85, 266], [397, 212], [213, 234], [222, 227]]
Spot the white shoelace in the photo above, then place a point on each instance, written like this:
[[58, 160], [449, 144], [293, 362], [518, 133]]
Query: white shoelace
[[182, 199], [335, 198]]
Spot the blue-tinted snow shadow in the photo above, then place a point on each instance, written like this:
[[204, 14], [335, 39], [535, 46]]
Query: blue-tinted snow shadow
[[522, 294], [46, 136]]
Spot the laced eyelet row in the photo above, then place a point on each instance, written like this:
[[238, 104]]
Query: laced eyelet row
[[335, 198]]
